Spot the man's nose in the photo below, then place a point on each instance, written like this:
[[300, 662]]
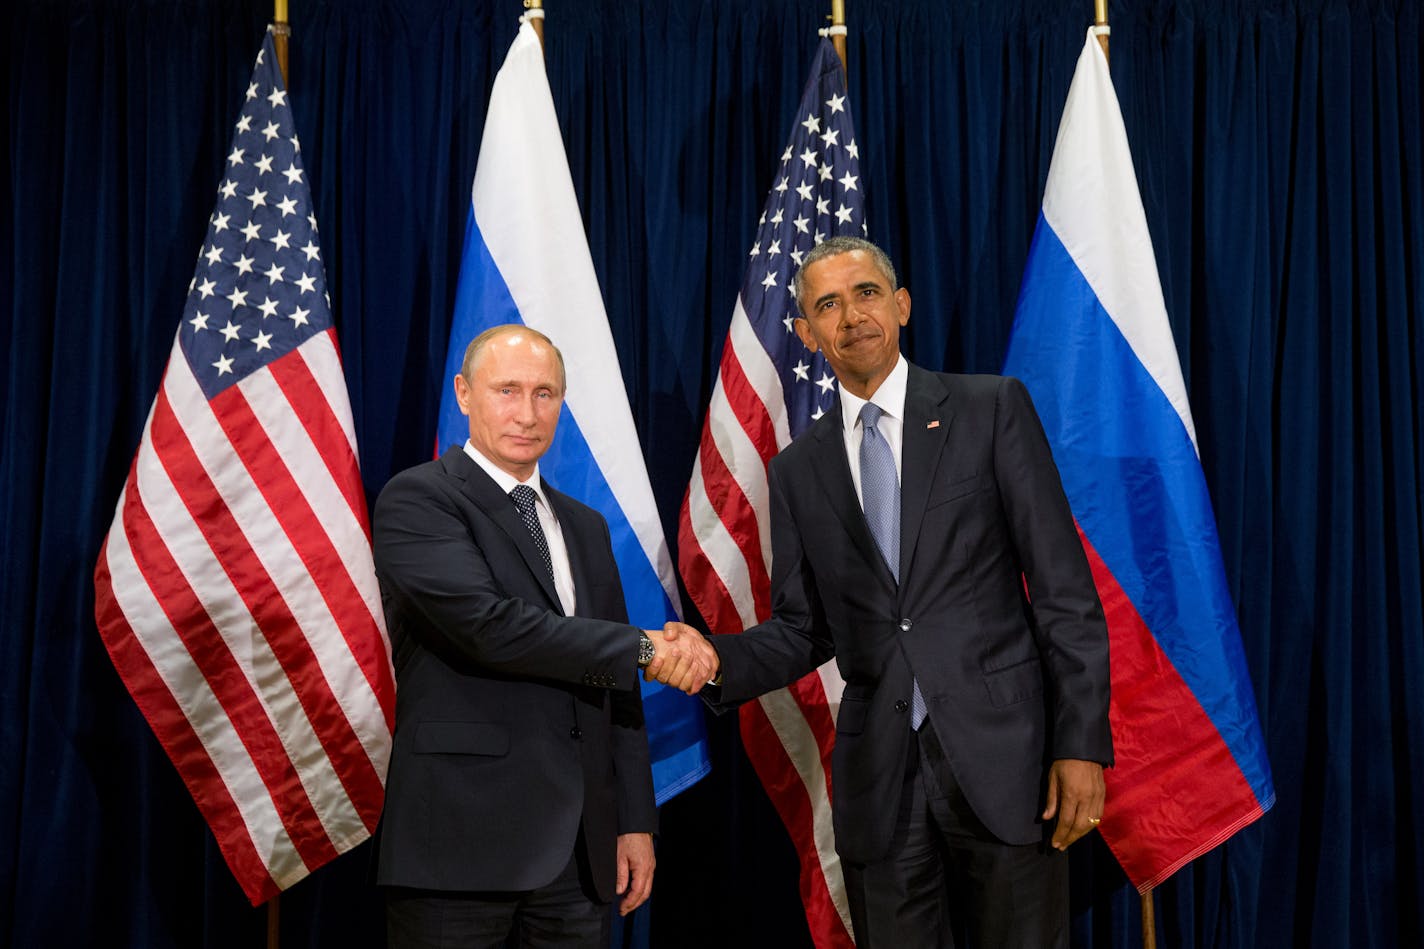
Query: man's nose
[[526, 412]]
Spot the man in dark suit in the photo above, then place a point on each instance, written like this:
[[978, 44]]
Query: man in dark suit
[[920, 534], [520, 796]]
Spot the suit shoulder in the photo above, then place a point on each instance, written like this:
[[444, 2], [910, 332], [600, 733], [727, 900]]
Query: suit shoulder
[[427, 478], [800, 448], [983, 388]]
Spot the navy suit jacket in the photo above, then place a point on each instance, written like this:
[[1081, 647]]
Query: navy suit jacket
[[514, 722], [1012, 679]]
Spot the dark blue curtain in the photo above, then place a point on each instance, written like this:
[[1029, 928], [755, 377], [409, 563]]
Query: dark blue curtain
[[1281, 160]]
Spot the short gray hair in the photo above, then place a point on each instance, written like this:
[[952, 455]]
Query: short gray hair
[[834, 247], [478, 344]]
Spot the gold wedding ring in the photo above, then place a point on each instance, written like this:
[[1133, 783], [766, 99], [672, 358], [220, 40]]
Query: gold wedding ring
[[1095, 820]]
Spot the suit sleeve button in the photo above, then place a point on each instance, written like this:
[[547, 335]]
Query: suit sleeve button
[[901, 705]]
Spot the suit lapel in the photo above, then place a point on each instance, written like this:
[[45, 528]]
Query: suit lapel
[[832, 471], [487, 496], [928, 419]]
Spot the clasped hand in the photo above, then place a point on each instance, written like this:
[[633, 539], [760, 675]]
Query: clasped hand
[[682, 658]]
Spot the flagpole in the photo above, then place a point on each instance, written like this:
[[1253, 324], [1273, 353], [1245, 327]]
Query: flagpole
[[1149, 915], [837, 31], [281, 29], [1100, 8], [536, 18]]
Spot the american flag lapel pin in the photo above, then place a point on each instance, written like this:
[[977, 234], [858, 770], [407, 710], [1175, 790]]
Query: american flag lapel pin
[[934, 424]]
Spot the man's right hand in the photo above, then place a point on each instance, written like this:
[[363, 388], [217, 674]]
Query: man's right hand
[[683, 658]]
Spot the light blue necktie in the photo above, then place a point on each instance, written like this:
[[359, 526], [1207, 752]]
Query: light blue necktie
[[880, 497]]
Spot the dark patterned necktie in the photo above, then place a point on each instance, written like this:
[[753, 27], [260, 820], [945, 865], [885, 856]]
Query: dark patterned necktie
[[524, 499], [880, 494]]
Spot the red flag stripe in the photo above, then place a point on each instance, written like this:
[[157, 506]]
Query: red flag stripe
[[308, 403], [278, 524], [291, 510], [1162, 738], [237, 524], [180, 743], [712, 598], [727, 605], [739, 398], [229, 684], [810, 695], [237, 577], [749, 535], [175, 698], [759, 370], [827, 911], [310, 467]]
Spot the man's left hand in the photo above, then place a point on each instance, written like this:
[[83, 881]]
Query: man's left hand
[[1076, 793], [635, 870]]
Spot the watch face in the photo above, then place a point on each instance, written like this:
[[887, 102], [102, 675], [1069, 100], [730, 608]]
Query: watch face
[[646, 650]]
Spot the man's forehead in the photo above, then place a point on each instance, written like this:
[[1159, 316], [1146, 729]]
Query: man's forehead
[[855, 264], [515, 350]]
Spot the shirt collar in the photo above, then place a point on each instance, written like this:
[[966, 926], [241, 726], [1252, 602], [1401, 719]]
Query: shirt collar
[[890, 396], [504, 479]]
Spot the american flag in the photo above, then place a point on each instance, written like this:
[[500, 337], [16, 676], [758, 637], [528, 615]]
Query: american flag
[[235, 590], [769, 389]]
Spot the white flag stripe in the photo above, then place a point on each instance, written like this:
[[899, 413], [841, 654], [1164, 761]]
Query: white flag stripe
[[720, 548], [324, 361], [272, 548], [804, 752], [1108, 249], [238, 629], [743, 463], [558, 293], [761, 374], [833, 685], [292, 442], [202, 710]]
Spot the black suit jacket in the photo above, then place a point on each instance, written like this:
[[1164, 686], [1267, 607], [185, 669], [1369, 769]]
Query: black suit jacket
[[514, 722], [1011, 680]]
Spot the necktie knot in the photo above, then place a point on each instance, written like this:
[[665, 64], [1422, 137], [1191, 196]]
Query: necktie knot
[[870, 416], [524, 498]]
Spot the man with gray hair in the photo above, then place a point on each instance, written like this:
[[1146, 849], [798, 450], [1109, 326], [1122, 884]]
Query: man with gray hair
[[920, 535]]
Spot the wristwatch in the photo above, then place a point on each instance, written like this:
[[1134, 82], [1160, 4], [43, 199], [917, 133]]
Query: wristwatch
[[646, 650]]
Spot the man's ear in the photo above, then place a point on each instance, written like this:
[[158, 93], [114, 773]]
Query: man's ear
[[902, 301], [462, 394], [803, 331]]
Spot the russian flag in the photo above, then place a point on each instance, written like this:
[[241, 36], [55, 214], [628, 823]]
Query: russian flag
[[1092, 343], [526, 260]]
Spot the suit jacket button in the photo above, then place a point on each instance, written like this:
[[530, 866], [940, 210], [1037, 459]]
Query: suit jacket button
[[576, 733], [905, 625], [901, 705]]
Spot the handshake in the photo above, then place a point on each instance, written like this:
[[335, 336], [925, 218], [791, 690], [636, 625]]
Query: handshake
[[682, 658]]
